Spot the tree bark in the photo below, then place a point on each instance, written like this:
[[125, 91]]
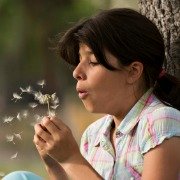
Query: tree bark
[[166, 15]]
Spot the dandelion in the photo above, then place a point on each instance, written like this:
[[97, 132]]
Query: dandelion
[[14, 156], [44, 99], [8, 119], [10, 138], [16, 97], [41, 83], [2, 174], [18, 135], [33, 105]]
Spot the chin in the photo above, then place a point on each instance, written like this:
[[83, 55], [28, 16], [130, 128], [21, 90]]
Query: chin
[[92, 109], [89, 107]]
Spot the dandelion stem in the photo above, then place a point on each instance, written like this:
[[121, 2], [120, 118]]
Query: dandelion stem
[[49, 112]]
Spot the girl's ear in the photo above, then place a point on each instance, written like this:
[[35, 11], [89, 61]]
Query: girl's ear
[[135, 72]]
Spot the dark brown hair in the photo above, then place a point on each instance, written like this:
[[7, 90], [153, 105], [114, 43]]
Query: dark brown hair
[[129, 36]]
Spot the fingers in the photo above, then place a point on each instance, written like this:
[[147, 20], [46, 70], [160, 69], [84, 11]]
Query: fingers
[[40, 143], [53, 125], [58, 123], [42, 133]]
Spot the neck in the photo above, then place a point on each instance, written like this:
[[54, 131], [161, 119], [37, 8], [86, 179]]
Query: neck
[[131, 101]]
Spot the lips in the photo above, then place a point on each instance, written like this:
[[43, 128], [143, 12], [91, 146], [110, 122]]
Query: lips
[[82, 93]]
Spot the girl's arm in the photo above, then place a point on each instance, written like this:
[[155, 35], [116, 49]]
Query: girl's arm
[[163, 162]]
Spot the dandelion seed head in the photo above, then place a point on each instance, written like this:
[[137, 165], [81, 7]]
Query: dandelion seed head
[[44, 99]]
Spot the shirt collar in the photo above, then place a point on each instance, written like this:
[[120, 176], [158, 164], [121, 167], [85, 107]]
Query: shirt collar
[[133, 116], [130, 120], [105, 130]]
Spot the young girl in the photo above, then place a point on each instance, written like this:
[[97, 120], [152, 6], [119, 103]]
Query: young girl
[[118, 58]]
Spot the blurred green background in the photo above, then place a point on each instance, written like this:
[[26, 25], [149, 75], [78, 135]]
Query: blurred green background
[[26, 31]]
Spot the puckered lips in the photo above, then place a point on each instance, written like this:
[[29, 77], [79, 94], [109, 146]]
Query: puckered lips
[[82, 93]]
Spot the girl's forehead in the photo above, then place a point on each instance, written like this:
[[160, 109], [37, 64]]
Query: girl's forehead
[[83, 48]]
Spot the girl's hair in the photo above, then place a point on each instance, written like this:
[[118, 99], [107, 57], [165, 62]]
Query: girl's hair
[[129, 36]]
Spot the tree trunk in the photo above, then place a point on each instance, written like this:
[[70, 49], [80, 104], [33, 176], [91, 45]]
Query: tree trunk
[[166, 15]]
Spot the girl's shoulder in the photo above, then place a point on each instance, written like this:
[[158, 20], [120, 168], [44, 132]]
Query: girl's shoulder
[[159, 123]]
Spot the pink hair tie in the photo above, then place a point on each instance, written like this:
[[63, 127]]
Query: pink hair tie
[[162, 73]]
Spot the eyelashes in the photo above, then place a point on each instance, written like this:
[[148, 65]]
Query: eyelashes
[[92, 63]]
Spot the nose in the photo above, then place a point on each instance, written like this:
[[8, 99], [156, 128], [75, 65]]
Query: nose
[[79, 72]]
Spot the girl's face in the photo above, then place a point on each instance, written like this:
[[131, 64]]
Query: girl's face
[[101, 90]]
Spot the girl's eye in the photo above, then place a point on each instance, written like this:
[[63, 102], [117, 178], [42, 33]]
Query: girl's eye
[[92, 63]]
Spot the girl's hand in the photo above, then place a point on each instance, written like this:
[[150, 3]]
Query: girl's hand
[[54, 169], [54, 138]]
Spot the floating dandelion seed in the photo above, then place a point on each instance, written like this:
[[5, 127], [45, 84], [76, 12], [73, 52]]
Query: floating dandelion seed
[[51, 100], [10, 138], [41, 83], [29, 89], [16, 97], [37, 118], [8, 119], [19, 117], [37, 95], [26, 90], [33, 105], [14, 156], [18, 135], [25, 113], [2, 174], [56, 101], [54, 106], [53, 96], [22, 90]]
